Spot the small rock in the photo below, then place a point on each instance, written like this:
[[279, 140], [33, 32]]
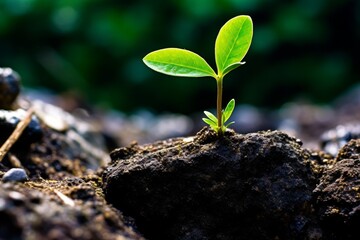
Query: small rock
[[15, 175], [9, 87], [53, 116]]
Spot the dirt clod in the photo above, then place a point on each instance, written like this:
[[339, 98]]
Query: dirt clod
[[253, 186], [338, 195]]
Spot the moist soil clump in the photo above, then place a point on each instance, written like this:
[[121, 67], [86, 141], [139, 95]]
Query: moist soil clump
[[338, 195], [51, 209], [50, 185], [252, 186]]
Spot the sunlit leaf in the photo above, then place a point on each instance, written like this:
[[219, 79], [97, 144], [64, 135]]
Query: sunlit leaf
[[228, 110], [230, 123], [178, 62], [210, 123], [211, 116], [232, 67], [233, 42]]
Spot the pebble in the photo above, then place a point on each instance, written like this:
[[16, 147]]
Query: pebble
[[9, 87], [15, 175]]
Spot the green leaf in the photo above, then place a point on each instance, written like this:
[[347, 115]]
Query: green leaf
[[232, 67], [228, 110], [227, 125], [178, 62], [211, 116], [233, 42], [210, 123]]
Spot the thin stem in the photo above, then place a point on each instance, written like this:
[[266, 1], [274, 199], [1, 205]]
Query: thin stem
[[219, 82]]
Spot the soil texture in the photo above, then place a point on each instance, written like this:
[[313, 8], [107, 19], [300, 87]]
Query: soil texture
[[252, 186], [58, 180], [338, 195], [58, 194]]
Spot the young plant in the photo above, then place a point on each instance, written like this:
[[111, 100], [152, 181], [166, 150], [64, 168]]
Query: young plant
[[231, 45]]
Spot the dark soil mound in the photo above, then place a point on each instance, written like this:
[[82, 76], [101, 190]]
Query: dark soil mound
[[253, 186], [338, 195]]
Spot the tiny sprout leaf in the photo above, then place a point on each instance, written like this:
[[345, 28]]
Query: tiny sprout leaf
[[211, 116], [232, 67], [178, 62], [233, 42], [228, 110], [208, 121], [230, 123]]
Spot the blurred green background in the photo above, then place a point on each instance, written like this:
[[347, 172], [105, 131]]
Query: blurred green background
[[302, 50]]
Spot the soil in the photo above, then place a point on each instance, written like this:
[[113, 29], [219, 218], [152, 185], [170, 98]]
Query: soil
[[253, 186], [338, 194], [62, 198], [260, 185], [51, 182]]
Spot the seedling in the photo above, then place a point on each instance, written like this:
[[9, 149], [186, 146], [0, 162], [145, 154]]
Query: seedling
[[231, 45]]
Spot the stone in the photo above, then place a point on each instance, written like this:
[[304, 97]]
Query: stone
[[15, 175]]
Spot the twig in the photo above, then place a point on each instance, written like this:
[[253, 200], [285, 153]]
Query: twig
[[16, 133], [66, 200], [14, 161]]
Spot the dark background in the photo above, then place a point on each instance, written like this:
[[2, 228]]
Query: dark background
[[302, 50]]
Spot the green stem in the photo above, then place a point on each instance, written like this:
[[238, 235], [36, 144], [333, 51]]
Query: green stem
[[219, 82]]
